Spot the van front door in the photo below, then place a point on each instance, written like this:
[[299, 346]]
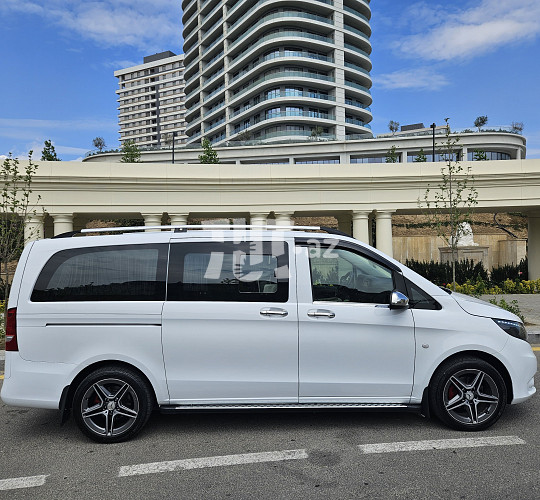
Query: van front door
[[230, 323], [353, 347]]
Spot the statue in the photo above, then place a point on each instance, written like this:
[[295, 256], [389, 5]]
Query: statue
[[465, 238]]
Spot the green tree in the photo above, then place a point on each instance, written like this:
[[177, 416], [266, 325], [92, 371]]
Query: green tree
[[479, 155], [243, 136], [209, 154], [393, 126], [480, 122], [99, 143], [391, 155], [450, 204], [517, 127], [421, 157], [15, 206], [316, 133], [130, 152], [49, 153]]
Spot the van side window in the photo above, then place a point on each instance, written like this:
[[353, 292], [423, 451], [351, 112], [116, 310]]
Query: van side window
[[110, 273], [339, 275], [418, 299], [240, 272]]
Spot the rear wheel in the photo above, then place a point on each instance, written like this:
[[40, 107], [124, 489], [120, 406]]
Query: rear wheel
[[112, 404], [468, 394]]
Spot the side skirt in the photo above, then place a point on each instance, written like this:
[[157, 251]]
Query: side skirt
[[203, 408]]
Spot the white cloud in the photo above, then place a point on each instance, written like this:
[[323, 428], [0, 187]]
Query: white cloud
[[122, 64], [469, 32], [415, 79], [154, 25], [69, 150]]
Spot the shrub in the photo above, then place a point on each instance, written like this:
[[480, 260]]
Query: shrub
[[513, 307], [441, 273], [502, 273], [480, 287]]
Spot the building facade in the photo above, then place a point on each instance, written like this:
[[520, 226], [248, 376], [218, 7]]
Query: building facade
[[151, 101], [502, 144], [272, 70]]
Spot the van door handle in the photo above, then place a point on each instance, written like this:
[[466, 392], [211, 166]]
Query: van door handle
[[321, 313], [274, 311]]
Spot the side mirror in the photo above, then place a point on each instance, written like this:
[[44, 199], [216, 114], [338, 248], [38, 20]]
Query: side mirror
[[399, 300]]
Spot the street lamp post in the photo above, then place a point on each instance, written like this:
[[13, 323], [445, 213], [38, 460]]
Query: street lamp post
[[432, 126], [174, 134]]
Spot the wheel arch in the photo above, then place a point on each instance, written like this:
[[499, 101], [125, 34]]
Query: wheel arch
[[69, 391], [489, 358]]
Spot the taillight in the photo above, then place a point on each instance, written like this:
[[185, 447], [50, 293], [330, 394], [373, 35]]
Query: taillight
[[11, 330]]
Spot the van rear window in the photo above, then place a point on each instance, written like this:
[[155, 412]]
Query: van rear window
[[110, 273]]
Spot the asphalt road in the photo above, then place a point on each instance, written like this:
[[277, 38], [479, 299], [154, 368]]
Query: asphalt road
[[326, 460]]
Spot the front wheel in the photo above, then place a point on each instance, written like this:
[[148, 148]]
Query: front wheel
[[468, 394], [112, 404]]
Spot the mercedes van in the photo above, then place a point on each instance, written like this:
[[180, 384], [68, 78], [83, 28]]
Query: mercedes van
[[110, 327]]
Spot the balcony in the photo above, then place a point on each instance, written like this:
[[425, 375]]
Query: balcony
[[285, 34], [282, 74], [281, 95], [280, 15], [285, 55]]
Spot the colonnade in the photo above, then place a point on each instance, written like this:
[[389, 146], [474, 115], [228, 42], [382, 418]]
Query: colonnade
[[355, 223]]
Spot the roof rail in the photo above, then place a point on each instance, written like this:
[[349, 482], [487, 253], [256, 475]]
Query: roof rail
[[184, 228]]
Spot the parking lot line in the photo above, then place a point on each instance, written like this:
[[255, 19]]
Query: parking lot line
[[440, 444], [200, 463], [537, 348], [22, 482]]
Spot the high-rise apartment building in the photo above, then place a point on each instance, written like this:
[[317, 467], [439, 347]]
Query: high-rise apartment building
[[274, 70], [151, 100]]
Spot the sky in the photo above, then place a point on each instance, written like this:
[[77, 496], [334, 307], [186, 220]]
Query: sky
[[431, 61]]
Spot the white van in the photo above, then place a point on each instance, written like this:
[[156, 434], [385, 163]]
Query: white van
[[110, 327]]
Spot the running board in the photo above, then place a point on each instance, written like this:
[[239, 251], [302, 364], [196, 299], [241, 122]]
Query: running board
[[289, 406]]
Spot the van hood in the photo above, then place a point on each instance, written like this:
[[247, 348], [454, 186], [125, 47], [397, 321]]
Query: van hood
[[478, 307]]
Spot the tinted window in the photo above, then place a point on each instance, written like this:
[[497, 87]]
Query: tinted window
[[241, 272], [340, 275], [418, 299], [126, 272]]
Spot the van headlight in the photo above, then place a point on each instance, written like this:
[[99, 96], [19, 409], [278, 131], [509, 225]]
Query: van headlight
[[514, 328]]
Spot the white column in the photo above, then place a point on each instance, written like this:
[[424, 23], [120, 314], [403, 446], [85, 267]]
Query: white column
[[383, 221], [360, 226], [404, 156], [178, 219], [152, 220], [283, 218], [464, 153], [257, 219], [63, 223], [533, 251], [33, 228], [345, 222]]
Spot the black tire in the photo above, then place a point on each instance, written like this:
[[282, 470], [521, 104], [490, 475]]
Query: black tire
[[112, 404], [467, 394]]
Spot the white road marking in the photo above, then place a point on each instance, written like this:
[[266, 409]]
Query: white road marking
[[22, 482], [440, 444], [199, 463]]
